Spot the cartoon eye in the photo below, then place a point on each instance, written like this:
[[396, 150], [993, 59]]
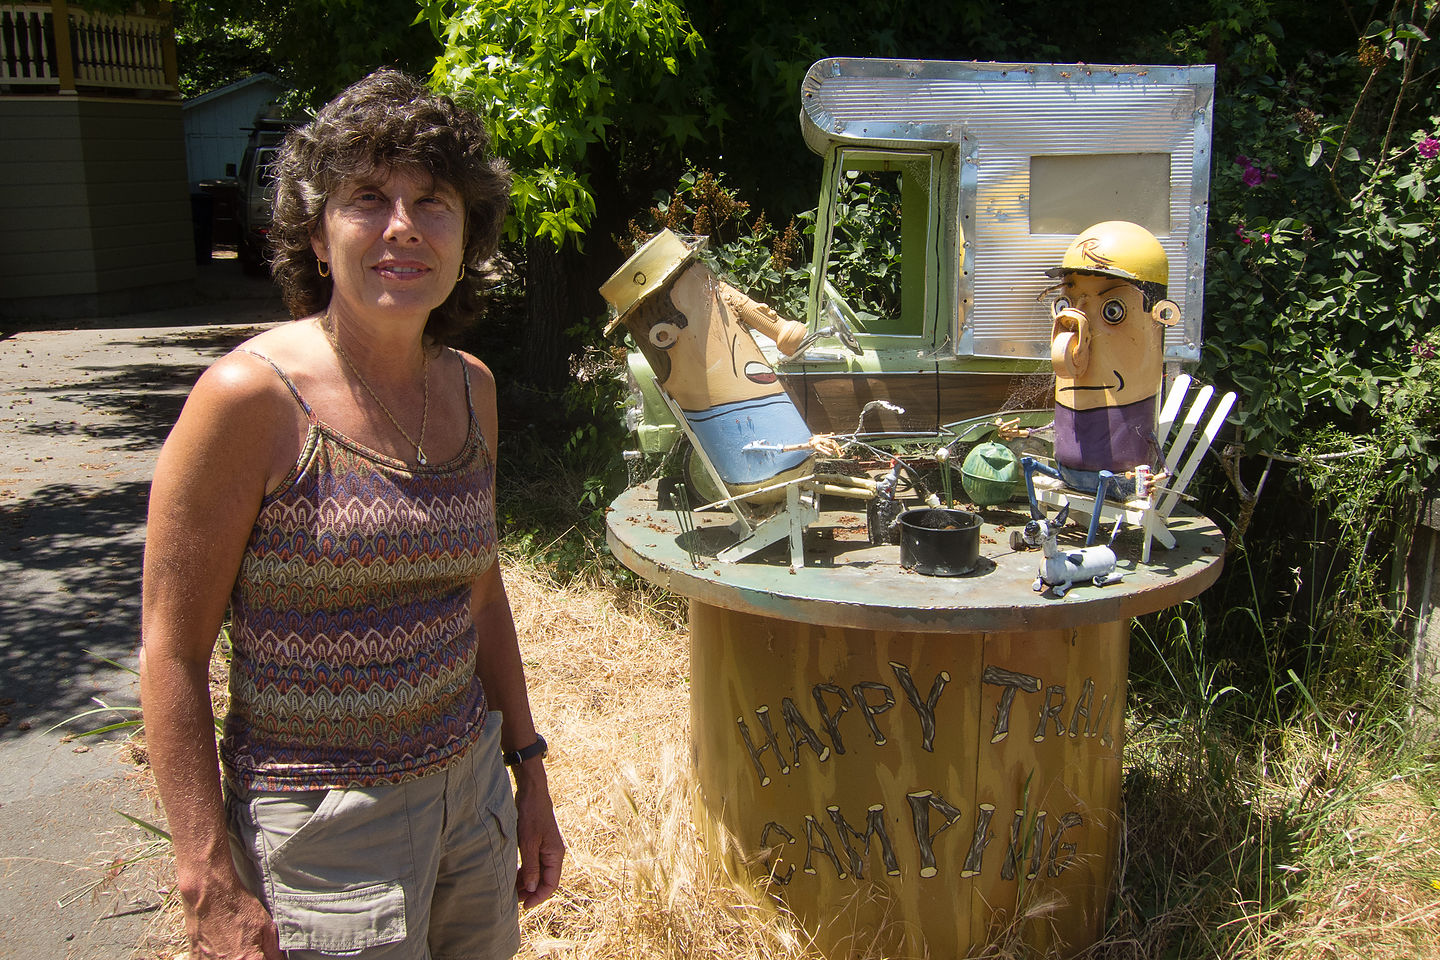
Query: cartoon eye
[[1061, 303], [664, 335], [1113, 311]]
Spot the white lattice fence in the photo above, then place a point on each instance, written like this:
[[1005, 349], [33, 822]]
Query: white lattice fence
[[124, 51], [118, 51], [27, 45]]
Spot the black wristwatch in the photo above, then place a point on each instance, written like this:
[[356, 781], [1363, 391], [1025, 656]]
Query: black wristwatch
[[513, 758]]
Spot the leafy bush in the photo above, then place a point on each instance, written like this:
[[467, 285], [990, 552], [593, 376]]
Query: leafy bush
[[864, 259], [768, 264], [1324, 259], [1323, 272]]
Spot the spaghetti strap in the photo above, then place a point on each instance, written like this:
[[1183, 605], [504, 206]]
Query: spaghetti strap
[[309, 414], [469, 400], [465, 369]]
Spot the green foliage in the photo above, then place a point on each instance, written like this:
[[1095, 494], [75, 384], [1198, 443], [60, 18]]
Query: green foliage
[[1322, 281], [768, 264], [552, 497], [212, 51], [555, 80], [564, 464], [315, 47], [864, 260], [775, 265], [1324, 255]]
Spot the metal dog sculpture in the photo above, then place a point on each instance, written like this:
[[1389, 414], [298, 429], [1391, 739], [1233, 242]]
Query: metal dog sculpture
[[1061, 570]]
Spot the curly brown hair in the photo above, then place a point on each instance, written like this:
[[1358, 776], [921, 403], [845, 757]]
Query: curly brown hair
[[387, 120]]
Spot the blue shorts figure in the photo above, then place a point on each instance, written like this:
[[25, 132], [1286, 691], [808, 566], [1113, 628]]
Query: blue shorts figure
[[725, 431]]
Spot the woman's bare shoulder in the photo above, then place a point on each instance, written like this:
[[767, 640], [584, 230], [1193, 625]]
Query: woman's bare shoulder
[[474, 366], [255, 371], [287, 344], [250, 388], [239, 380], [240, 412]]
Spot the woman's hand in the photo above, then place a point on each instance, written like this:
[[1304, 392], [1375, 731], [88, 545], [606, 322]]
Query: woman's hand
[[541, 847], [231, 926]]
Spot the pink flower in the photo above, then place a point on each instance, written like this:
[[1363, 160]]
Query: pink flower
[[1265, 237], [1428, 147], [1253, 176], [1240, 232]]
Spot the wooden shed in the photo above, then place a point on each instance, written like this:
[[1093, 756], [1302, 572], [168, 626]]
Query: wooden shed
[[218, 123]]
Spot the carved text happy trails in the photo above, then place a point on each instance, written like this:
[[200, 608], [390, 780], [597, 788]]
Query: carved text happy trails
[[844, 841]]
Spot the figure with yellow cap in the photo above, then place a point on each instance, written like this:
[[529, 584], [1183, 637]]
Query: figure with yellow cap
[[1107, 350], [694, 330]]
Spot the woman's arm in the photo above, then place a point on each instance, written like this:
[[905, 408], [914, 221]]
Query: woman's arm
[[498, 665], [542, 850], [209, 481]]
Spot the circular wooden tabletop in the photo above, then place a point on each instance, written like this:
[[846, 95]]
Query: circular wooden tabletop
[[847, 582]]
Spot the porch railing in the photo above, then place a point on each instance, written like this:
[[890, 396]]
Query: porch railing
[[53, 46]]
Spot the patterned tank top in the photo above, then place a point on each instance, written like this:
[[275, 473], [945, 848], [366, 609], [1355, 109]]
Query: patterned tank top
[[353, 646]]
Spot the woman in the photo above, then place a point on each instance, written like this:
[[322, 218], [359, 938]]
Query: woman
[[331, 482]]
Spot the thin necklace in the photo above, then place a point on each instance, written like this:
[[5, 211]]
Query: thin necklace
[[419, 445]]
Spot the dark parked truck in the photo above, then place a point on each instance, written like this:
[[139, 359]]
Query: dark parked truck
[[257, 182], [949, 189]]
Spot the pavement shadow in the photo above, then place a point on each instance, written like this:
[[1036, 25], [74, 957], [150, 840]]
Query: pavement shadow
[[132, 406], [129, 407], [72, 557], [206, 341], [71, 548]]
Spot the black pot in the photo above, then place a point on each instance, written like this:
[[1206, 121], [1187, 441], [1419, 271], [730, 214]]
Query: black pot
[[939, 542]]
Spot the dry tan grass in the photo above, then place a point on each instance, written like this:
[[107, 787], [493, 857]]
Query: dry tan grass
[[1373, 885], [609, 682], [608, 674]]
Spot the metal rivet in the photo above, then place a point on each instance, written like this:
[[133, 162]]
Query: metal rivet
[[638, 279]]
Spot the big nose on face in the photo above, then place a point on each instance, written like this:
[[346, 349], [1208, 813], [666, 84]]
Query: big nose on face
[[1070, 343], [400, 225]]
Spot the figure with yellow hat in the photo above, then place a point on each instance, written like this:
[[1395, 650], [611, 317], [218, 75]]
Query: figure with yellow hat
[[693, 329], [1107, 350]]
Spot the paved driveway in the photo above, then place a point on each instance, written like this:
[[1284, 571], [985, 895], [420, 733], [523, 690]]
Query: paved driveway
[[82, 416]]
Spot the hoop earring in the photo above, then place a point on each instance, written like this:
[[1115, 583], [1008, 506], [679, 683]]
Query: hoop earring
[[462, 273], [322, 268]]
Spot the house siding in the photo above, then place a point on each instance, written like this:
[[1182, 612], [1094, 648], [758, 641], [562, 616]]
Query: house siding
[[94, 192]]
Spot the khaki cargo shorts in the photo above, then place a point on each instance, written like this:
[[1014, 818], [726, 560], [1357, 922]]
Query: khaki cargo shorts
[[423, 870]]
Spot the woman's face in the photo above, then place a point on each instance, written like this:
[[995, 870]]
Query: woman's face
[[394, 242]]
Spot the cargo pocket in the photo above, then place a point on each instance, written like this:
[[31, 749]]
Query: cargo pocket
[[345, 921], [278, 819], [335, 868]]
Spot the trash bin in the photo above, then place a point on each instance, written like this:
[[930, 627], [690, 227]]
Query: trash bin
[[202, 213]]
